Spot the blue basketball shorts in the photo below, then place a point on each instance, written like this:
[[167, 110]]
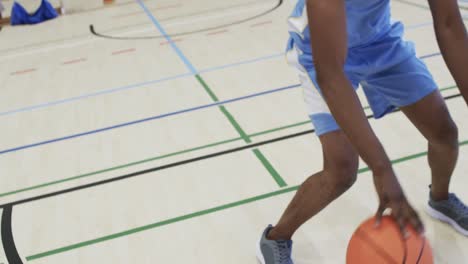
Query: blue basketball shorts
[[389, 72]]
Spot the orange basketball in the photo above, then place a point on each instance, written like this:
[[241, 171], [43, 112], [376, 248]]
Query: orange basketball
[[386, 245]]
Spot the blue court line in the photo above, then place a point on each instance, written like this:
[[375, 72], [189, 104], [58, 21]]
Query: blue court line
[[84, 96], [274, 56], [168, 38], [430, 55], [419, 25], [162, 116], [146, 83], [148, 119], [2, 152], [133, 86]]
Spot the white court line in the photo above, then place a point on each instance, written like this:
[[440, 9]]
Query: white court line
[[149, 28]]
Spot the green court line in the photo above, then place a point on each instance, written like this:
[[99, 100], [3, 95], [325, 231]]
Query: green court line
[[223, 109], [448, 88], [159, 224], [207, 88], [280, 128], [47, 184], [119, 167], [198, 214], [236, 125], [276, 176]]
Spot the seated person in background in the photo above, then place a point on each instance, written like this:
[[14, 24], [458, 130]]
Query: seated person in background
[[1, 11], [20, 16]]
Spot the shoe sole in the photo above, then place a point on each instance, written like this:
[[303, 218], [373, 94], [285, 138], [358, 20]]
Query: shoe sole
[[260, 257], [441, 217]]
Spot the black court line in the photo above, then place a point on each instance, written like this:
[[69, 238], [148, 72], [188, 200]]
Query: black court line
[[175, 164], [9, 247], [6, 231], [97, 34]]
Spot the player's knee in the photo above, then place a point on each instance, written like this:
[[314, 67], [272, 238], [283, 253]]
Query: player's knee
[[446, 134], [344, 173], [345, 180]]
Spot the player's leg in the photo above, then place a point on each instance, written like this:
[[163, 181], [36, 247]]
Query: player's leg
[[410, 86], [338, 175], [340, 164], [432, 118], [339, 172]]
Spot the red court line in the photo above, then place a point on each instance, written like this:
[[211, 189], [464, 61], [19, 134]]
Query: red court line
[[74, 61], [217, 32], [168, 42], [23, 71], [261, 23], [169, 6], [117, 52], [127, 15]]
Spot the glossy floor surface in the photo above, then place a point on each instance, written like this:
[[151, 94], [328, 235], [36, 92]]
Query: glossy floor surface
[[177, 132]]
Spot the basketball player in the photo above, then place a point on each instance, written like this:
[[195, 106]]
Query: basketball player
[[337, 45]]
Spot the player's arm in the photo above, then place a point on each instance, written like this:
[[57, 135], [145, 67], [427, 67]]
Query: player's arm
[[327, 22], [453, 40]]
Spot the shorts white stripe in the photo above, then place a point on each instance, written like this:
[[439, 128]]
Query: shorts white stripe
[[314, 101]]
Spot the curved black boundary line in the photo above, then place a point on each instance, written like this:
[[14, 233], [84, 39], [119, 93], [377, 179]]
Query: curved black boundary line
[[97, 34], [175, 164], [42, 44], [9, 247]]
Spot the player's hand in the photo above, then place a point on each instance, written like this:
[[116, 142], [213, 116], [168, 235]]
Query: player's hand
[[391, 196]]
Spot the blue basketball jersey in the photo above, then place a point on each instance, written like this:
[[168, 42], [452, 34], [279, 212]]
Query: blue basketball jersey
[[378, 59], [368, 21]]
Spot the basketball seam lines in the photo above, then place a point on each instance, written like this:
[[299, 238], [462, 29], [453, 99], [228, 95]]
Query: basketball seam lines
[[405, 248], [422, 250]]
